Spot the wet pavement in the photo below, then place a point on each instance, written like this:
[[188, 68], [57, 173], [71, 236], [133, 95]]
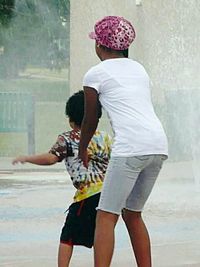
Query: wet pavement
[[32, 205]]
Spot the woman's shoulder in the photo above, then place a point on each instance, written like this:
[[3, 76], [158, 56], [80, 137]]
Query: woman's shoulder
[[138, 64], [94, 69]]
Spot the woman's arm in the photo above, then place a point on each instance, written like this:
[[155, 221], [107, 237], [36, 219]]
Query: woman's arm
[[42, 159], [89, 123]]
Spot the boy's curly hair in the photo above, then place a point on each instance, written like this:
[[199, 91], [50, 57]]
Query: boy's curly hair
[[75, 108]]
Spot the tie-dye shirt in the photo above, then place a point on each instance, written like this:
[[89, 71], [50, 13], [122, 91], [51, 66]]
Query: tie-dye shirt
[[89, 181]]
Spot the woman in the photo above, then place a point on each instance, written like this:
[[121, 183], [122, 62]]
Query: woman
[[140, 144]]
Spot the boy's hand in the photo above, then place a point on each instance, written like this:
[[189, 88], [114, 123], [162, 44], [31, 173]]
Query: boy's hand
[[83, 155], [21, 159]]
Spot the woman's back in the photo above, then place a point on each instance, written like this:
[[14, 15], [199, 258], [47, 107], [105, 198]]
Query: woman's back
[[123, 87]]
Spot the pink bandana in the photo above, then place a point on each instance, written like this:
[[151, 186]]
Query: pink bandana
[[113, 32]]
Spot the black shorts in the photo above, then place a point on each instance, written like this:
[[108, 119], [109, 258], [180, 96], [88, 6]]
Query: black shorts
[[80, 222]]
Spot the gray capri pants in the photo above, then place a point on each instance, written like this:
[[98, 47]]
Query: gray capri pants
[[129, 182]]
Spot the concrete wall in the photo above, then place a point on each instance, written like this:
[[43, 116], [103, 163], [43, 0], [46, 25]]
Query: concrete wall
[[167, 43], [84, 14]]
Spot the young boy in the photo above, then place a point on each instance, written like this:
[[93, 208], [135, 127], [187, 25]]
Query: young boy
[[80, 221]]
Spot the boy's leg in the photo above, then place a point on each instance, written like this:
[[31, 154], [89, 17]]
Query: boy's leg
[[64, 254], [139, 237], [104, 238]]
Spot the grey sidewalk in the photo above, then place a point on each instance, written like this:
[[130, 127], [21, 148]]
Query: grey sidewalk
[[31, 216]]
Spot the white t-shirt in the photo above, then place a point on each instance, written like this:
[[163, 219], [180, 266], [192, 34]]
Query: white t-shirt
[[124, 93]]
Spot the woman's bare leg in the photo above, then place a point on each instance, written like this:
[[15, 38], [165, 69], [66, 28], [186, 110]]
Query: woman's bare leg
[[104, 238], [139, 237]]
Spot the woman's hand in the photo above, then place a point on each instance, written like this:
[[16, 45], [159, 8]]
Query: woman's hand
[[83, 155]]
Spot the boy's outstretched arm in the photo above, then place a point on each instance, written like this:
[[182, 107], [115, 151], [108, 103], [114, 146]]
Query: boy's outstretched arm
[[42, 159], [89, 123]]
